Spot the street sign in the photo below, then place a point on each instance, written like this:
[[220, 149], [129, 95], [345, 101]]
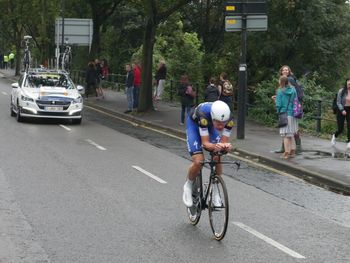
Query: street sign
[[254, 23], [253, 7], [77, 31]]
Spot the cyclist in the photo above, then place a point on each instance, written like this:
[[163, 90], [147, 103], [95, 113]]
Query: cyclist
[[208, 126]]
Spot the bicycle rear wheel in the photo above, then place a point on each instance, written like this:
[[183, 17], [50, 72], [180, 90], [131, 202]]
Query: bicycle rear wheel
[[219, 208], [194, 212]]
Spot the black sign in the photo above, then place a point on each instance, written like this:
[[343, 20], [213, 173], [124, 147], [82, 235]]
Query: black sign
[[253, 7]]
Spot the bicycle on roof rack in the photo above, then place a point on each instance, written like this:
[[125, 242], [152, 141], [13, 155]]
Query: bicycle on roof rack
[[66, 57], [202, 194], [27, 56]]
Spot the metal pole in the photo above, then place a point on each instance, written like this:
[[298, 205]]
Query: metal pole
[[242, 78], [63, 7]]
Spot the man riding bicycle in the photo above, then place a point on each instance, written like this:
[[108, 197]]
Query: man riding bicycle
[[208, 126]]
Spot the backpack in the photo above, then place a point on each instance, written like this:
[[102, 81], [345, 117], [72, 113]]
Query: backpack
[[300, 90], [334, 104], [227, 88]]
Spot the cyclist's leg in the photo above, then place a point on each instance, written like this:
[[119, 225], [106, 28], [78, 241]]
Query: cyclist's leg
[[215, 137], [195, 149]]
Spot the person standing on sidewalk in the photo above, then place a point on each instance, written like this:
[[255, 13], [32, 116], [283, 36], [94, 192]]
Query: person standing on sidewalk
[[211, 92], [137, 85], [284, 103], [6, 60], [12, 59], [160, 80], [226, 90], [129, 86], [343, 103], [90, 79], [287, 72], [185, 90]]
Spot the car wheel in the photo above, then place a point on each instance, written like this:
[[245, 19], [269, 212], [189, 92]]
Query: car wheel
[[13, 114], [19, 117], [77, 121]]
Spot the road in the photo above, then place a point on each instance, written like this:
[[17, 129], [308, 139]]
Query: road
[[75, 193]]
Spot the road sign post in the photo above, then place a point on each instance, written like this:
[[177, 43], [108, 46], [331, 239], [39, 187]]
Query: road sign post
[[244, 15]]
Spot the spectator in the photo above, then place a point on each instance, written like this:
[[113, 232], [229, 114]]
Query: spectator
[[12, 59], [284, 103], [90, 79], [104, 69], [6, 60], [185, 90], [286, 71], [343, 103], [129, 86], [99, 91], [1, 60], [137, 85], [160, 80], [226, 90], [211, 92]]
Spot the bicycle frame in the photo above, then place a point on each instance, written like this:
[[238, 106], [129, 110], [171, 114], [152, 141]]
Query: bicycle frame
[[204, 193]]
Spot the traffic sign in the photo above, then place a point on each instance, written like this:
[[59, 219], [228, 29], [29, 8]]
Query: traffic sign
[[254, 23], [239, 7]]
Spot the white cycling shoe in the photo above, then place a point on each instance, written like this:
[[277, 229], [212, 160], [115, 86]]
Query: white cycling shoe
[[187, 195], [333, 141], [216, 200]]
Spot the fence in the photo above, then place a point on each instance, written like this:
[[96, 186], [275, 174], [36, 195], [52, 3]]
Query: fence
[[315, 108]]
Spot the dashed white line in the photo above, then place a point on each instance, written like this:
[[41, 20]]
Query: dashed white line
[[4, 93], [96, 145], [269, 240], [65, 127], [149, 174]]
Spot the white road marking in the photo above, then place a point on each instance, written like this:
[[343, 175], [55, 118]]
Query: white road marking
[[65, 127], [149, 174], [96, 145], [4, 93], [268, 240]]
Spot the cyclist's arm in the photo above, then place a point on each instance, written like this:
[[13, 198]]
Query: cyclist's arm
[[223, 145]]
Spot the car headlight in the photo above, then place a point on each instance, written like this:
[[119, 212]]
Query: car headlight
[[78, 100], [25, 98]]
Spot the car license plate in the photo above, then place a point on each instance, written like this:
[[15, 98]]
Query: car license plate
[[54, 108]]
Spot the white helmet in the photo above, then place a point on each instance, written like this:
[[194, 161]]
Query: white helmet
[[220, 111]]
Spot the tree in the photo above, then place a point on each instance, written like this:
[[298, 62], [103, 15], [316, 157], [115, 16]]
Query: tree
[[100, 10], [155, 12]]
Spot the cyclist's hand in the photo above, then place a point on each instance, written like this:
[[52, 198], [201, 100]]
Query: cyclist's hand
[[222, 147]]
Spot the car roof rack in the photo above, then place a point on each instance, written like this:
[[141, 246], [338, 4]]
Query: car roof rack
[[46, 70]]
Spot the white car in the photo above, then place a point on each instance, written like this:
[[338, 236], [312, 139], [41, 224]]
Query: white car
[[44, 93]]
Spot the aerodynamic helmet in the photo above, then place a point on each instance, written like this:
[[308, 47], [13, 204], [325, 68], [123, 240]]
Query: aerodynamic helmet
[[220, 111]]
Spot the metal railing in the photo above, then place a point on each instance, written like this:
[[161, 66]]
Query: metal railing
[[117, 82]]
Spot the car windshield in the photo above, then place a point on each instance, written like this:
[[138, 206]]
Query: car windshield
[[48, 80]]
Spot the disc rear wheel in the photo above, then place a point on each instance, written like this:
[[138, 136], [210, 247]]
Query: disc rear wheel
[[218, 208]]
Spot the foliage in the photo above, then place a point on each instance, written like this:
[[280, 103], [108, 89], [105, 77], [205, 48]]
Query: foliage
[[317, 100]]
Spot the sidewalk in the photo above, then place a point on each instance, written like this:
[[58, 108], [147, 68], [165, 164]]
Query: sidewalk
[[315, 164]]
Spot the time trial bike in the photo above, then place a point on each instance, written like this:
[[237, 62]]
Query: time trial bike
[[202, 194]]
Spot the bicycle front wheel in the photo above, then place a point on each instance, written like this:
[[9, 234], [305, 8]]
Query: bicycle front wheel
[[218, 207], [194, 212]]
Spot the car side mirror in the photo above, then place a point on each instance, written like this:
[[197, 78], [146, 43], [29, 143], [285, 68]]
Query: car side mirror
[[80, 89], [15, 85]]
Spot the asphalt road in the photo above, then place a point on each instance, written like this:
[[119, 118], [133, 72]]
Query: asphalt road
[[75, 193]]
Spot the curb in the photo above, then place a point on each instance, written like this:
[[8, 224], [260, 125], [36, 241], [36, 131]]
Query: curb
[[312, 177]]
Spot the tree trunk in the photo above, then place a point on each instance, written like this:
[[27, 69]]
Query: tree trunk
[[145, 100]]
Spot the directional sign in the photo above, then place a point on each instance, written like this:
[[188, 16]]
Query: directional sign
[[253, 7], [78, 31], [254, 23]]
